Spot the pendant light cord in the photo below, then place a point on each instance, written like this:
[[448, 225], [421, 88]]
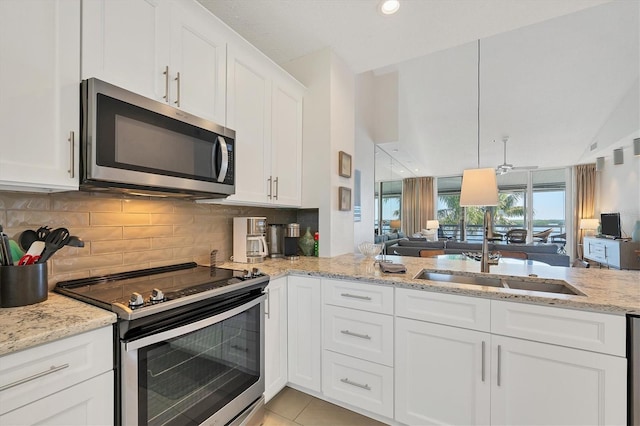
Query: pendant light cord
[[478, 103]]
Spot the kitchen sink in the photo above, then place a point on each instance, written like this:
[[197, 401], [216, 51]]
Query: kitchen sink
[[511, 283], [460, 279]]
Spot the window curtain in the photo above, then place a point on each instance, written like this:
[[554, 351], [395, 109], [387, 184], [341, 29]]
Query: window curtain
[[417, 204], [585, 201]]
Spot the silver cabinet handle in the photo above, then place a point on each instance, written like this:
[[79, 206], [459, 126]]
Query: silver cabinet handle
[[51, 370], [499, 362], [351, 333], [358, 385], [276, 194], [268, 310], [269, 194], [355, 296], [483, 348], [177, 79], [166, 84], [72, 149]]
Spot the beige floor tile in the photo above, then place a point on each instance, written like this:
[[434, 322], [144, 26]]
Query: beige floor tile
[[322, 413], [289, 403], [272, 419]]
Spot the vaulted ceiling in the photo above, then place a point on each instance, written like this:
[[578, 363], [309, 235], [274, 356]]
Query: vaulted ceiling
[[559, 78]]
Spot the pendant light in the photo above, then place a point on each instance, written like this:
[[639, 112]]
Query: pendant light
[[479, 186]]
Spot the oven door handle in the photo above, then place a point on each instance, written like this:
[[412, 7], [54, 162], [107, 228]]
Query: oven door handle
[[180, 331]]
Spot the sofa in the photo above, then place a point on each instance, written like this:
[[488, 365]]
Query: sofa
[[390, 238], [546, 253]]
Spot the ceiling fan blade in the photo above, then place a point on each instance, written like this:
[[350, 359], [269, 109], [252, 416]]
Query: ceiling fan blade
[[524, 168]]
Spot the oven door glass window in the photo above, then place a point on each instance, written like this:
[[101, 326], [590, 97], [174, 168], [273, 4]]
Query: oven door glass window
[[185, 379]]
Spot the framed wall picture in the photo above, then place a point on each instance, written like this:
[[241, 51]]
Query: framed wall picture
[[344, 164], [344, 198]]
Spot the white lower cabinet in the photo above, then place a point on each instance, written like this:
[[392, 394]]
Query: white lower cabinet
[[67, 382], [357, 360], [364, 384], [542, 384], [275, 356], [448, 374], [442, 374], [305, 332], [87, 403]]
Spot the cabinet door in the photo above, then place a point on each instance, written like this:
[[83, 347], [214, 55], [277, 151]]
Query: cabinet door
[[126, 43], [304, 325], [275, 358], [198, 54], [542, 384], [87, 403], [286, 143], [248, 113], [39, 94], [442, 374]]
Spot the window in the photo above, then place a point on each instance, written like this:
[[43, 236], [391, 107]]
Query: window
[[536, 209], [389, 206]]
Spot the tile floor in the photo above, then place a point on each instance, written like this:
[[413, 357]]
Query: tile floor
[[294, 408]]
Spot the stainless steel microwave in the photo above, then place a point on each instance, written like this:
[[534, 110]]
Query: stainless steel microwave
[[137, 145]]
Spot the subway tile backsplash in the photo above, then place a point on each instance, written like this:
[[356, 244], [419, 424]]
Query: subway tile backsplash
[[123, 233]]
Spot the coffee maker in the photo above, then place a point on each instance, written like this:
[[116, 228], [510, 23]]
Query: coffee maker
[[249, 242]]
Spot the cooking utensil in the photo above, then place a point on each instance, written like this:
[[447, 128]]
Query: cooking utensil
[[27, 238], [55, 241], [75, 241], [42, 232], [28, 259]]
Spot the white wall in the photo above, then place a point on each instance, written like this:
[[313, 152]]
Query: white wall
[[619, 189], [329, 118], [365, 157]]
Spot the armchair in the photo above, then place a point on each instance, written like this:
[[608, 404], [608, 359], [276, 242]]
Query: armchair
[[516, 236], [542, 236]]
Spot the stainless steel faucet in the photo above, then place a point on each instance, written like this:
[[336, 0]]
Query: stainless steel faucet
[[484, 260]]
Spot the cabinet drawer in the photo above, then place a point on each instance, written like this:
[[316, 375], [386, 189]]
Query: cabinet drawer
[[566, 327], [360, 334], [360, 383], [87, 403], [368, 297], [460, 311], [28, 375]]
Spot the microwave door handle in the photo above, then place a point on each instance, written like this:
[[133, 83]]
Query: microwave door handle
[[224, 157]]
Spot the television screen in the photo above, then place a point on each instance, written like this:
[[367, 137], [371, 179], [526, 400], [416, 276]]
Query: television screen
[[610, 225]]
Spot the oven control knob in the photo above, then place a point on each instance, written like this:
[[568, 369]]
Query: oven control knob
[[246, 274], [136, 300], [156, 296], [255, 272]]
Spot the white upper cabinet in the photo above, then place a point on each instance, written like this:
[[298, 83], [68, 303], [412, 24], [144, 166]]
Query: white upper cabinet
[[264, 107], [39, 94], [286, 142], [198, 62], [170, 51]]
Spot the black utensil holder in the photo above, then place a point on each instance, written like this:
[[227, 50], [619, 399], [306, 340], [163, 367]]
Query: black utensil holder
[[23, 285]]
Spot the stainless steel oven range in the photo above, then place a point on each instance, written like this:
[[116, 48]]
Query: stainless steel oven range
[[189, 342]]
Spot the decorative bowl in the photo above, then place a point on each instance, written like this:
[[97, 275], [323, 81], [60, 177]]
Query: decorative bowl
[[370, 249]]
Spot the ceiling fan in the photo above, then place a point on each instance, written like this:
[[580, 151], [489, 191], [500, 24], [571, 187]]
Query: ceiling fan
[[506, 167]]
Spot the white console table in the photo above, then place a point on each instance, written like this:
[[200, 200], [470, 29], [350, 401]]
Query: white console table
[[617, 254]]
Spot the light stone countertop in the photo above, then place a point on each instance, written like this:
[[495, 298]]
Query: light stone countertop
[[55, 318], [607, 291]]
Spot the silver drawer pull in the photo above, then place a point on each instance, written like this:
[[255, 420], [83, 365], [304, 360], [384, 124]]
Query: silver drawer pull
[[52, 369], [358, 385], [355, 296], [351, 333]]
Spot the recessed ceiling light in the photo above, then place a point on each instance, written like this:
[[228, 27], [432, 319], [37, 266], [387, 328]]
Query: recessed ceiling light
[[389, 7]]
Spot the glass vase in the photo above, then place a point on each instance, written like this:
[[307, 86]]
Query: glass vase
[[306, 243]]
